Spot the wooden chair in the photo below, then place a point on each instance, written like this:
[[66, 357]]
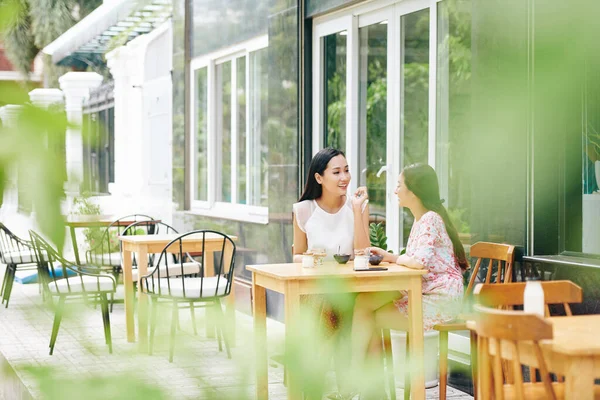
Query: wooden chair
[[499, 259], [511, 294], [499, 333], [498, 330]]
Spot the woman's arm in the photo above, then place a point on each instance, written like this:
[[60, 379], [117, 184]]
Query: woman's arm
[[403, 259], [361, 219], [409, 262], [300, 242]]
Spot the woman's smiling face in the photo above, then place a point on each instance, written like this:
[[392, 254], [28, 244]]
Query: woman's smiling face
[[336, 177]]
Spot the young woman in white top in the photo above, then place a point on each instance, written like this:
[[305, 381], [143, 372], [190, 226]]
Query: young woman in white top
[[325, 217]]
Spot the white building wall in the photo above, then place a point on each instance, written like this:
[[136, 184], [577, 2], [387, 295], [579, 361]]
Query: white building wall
[[143, 103]]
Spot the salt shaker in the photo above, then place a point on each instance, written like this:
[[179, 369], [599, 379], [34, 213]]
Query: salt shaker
[[533, 298]]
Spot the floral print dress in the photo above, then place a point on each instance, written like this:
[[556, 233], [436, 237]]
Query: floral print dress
[[430, 245]]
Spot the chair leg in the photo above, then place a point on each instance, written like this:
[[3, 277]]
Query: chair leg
[[193, 317], [389, 362], [4, 283], [443, 364], [153, 324], [474, 364], [174, 323], [106, 320], [407, 382], [11, 269], [57, 318], [221, 327]]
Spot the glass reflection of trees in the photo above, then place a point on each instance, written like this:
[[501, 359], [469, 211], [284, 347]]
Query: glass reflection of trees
[[335, 90], [454, 109]]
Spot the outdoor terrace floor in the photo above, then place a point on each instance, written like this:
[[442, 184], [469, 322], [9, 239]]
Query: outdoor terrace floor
[[199, 370]]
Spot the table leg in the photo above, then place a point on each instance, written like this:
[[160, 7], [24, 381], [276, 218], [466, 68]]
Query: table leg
[[142, 301], [74, 243], [260, 335], [230, 306], [292, 308], [230, 316], [579, 378], [128, 285], [415, 327]]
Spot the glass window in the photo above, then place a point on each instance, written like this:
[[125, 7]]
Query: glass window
[[415, 86], [454, 111], [224, 131], [238, 109], [201, 124], [335, 90], [373, 113], [241, 129], [591, 164], [257, 157]]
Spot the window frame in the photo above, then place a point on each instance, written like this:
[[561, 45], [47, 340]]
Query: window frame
[[212, 207], [351, 19]]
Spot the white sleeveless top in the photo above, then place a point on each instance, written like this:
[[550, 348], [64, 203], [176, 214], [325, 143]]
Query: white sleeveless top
[[324, 230]]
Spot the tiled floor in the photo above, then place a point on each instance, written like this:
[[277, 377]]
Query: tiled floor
[[81, 363]]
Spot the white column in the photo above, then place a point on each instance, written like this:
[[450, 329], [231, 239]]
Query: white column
[[44, 98], [126, 67], [76, 87]]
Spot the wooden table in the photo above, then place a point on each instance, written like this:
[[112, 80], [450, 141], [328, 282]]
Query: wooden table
[[573, 352], [148, 244], [90, 221], [292, 281]]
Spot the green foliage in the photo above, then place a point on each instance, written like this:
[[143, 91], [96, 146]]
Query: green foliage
[[83, 205], [56, 386], [29, 25], [377, 235], [457, 216]]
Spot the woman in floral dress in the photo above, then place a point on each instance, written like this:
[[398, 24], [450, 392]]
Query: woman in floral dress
[[433, 245]]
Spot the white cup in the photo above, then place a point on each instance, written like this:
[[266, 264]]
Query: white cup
[[308, 261], [361, 262]]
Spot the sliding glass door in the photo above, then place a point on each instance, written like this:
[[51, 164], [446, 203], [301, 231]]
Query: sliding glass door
[[372, 98]]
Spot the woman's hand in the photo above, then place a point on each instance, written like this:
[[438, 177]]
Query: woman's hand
[[387, 257], [359, 198]]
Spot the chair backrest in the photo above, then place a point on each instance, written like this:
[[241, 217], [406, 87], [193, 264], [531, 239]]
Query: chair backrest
[[53, 268], [500, 257], [150, 227], [107, 250], [511, 294], [169, 279], [13, 250], [499, 333]]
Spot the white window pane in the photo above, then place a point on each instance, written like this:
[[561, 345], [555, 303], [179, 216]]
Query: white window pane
[[241, 129], [224, 131], [201, 181], [257, 157]]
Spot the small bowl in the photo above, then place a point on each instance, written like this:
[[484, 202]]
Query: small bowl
[[341, 258], [375, 259]]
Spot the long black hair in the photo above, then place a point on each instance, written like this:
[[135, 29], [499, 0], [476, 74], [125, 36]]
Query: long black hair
[[421, 179], [318, 164]]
